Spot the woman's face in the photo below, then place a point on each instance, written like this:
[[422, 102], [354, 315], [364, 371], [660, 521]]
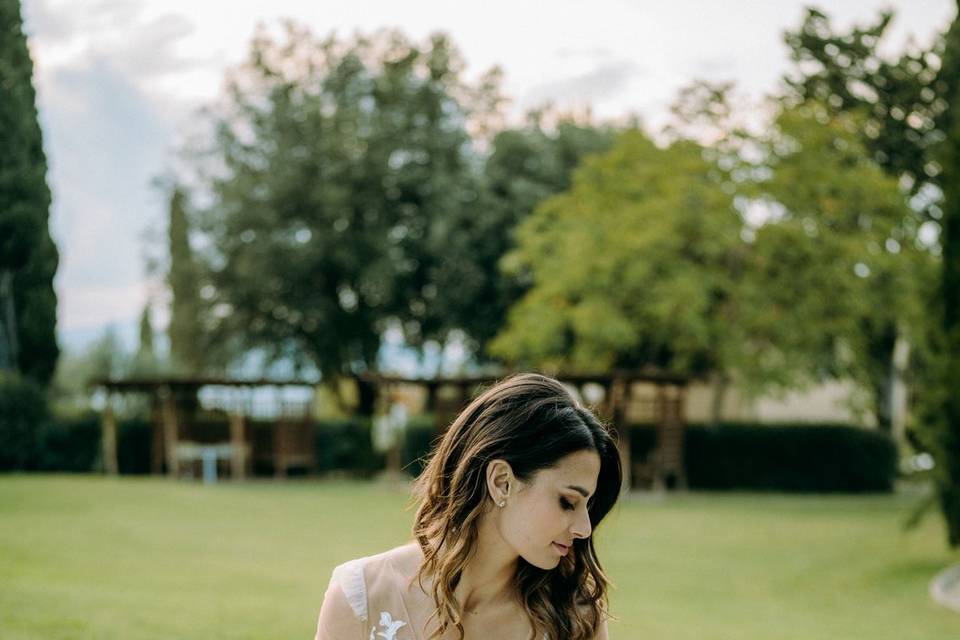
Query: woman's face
[[545, 515]]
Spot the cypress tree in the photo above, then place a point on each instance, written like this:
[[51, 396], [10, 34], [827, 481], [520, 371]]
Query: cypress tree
[[182, 280], [28, 256], [145, 360], [948, 438]]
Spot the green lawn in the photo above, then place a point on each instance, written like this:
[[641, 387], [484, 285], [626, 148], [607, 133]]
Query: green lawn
[[89, 557]]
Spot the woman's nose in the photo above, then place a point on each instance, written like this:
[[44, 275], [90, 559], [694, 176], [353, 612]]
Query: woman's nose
[[581, 527]]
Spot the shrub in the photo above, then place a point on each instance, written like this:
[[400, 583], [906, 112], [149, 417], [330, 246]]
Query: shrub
[[810, 458], [134, 441], [419, 440], [70, 444], [23, 413], [344, 444]]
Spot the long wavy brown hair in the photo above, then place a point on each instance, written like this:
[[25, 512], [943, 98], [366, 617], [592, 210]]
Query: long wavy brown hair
[[531, 421]]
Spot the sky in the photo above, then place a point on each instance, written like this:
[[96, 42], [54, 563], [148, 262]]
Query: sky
[[120, 83]]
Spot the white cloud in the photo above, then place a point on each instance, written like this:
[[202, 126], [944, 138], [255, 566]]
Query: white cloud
[[603, 82]]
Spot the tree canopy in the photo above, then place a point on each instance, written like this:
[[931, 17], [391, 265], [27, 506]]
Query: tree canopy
[[28, 256], [342, 176]]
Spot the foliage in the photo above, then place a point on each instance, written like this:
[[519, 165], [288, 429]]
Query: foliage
[[900, 104], [183, 276], [419, 438], [341, 174], [71, 390], [524, 167], [71, 444], [346, 445], [23, 412], [762, 457], [938, 429], [900, 100], [145, 361], [839, 275], [28, 256], [634, 265]]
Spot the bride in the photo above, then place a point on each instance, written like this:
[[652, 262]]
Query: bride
[[502, 536]]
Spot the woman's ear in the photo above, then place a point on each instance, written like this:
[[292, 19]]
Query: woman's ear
[[500, 481]]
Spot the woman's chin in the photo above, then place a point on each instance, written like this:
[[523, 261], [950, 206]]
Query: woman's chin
[[543, 561]]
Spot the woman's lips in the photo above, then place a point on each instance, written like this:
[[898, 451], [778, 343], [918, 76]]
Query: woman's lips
[[561, 549]]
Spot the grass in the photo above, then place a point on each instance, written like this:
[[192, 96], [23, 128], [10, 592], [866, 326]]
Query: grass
[[92, 557]]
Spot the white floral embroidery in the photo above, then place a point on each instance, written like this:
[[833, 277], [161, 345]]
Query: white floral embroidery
[[389, 624]]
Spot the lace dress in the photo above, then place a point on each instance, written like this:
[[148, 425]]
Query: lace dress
[[362, 602]]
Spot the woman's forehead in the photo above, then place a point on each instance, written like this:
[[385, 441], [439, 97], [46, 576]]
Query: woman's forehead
[[578, 470]]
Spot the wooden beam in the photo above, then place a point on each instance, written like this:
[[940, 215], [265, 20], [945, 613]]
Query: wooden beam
[[109, 439], [619, 390], [238, 463], [156, 437], [168, 410]]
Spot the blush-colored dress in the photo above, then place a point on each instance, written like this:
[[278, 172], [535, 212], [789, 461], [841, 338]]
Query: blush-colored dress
[[365, 601]]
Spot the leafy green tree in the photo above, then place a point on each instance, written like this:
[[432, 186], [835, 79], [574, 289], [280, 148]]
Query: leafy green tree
[[898, 104], [525, 166], [834, 257], [28, 256], [899, 100], [339, 176], [647, 260], [635, 265]]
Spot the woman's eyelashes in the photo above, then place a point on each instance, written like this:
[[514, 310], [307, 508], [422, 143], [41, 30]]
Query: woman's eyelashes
[[565, 504]]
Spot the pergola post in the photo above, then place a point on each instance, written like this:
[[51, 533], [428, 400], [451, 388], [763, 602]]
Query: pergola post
[[238, 462], [156, 434], [168, 409], [616, 409], [108, 438], [670, 437]]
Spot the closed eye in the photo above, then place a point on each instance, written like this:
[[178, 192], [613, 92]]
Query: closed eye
[[565, 504]]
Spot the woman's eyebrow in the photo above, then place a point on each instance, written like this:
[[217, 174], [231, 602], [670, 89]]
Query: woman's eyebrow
[[579, 489]]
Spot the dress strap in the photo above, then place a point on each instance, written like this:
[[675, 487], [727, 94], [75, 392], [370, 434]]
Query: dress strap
[[349, 576]]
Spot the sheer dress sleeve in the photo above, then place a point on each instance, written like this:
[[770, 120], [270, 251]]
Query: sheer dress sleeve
[[343, 613]]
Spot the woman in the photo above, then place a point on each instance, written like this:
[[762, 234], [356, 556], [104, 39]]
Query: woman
[[507, 506]]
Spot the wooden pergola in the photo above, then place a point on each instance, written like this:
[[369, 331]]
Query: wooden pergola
[[665, 408], [445, 398], [174, 442]]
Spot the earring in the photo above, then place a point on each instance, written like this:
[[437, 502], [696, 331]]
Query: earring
[[501, 503]]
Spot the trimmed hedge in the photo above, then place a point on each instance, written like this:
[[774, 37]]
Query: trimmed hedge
[[71, 444], [23, 411], [134, 440], [346, 445], [799, 458], [793, 458], [419, 440]]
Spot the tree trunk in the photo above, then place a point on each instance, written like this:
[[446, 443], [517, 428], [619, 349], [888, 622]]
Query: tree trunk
[[950, 504], [720, 383], [898, 387]]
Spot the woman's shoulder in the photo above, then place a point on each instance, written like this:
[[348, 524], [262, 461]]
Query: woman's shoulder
[[388, 569], [404, 552], [403, 559]]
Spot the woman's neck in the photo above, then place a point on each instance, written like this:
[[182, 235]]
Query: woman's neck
[[487, 580]]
